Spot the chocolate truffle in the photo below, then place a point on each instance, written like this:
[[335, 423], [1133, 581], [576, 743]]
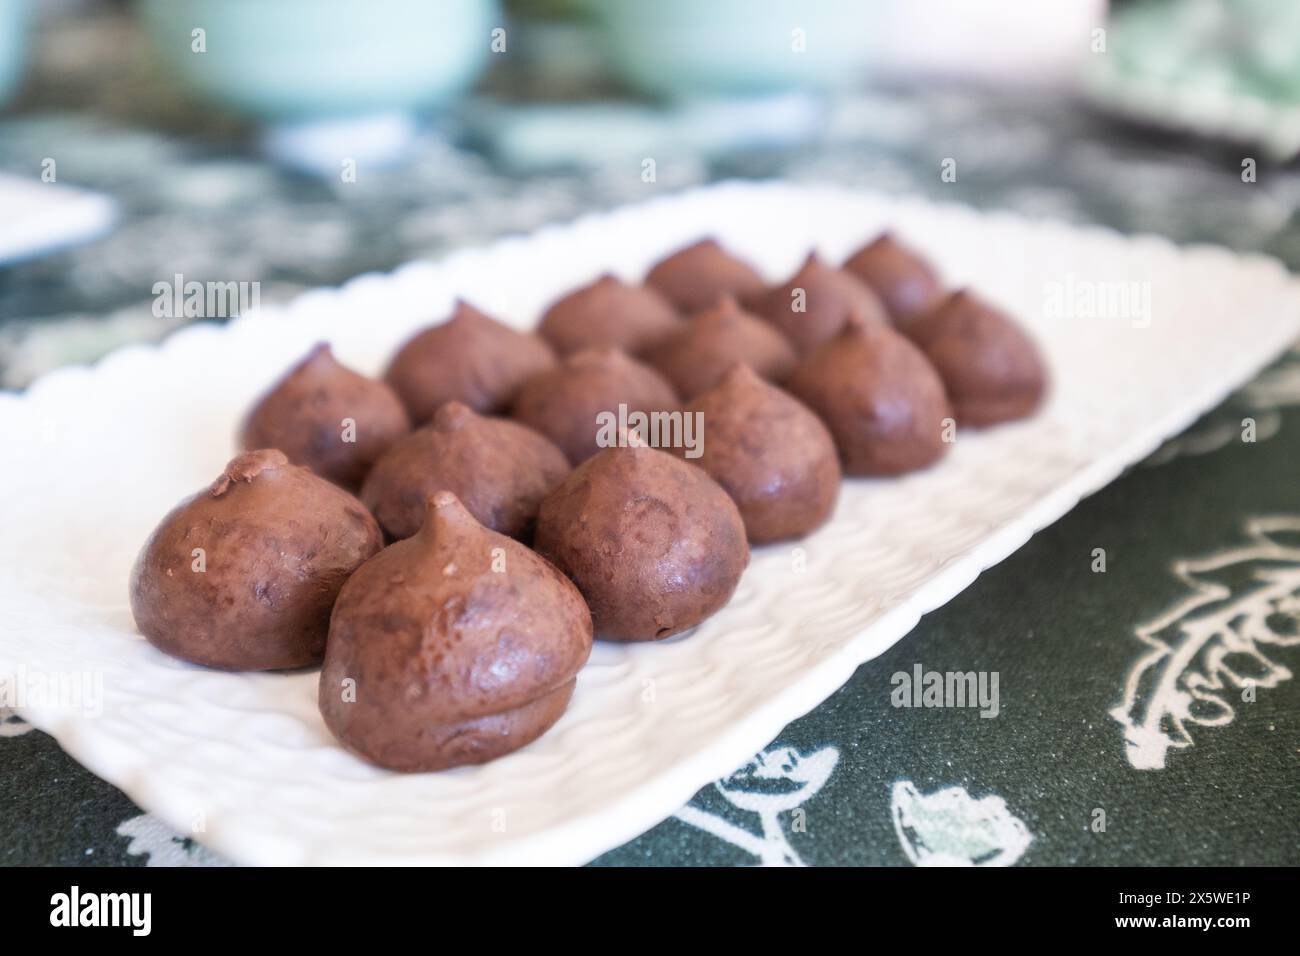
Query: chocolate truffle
[[573, 403], [770, 453], [609, 313], [653, 543], [470, 358], [812, 307], [328, 418], [243, 574], [990, 367], [697, 357], [499, 469], [880, 397], [695, 277], [905, 281], [452, 647]]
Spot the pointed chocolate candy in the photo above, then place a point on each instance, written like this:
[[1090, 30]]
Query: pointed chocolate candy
[[328, 418], [243, 575], [470, 358], [451, 647]]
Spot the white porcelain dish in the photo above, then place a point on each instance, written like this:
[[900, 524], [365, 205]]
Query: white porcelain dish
[[95, 456]]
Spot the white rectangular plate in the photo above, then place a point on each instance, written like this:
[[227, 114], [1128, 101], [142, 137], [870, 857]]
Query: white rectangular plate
[[94, 457]]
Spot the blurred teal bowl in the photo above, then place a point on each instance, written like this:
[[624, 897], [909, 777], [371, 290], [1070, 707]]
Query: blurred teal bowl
[[278, 60], [14, 19], [687, 48]]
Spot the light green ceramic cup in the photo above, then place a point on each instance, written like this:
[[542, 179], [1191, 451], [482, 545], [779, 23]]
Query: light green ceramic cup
[[688, 48], [295, 60], [15, 16]]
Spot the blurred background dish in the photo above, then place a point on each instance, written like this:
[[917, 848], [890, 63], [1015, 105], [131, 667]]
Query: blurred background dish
[[684, 49], [39, 218], [300, 59], [986, 41], [1218, 69], [334, 72], [14, 17]]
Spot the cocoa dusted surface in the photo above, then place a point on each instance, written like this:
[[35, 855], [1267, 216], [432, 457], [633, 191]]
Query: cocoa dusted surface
[[770, 453], [814, 305], [714, 340], [277, 541], [499, 469], [903, 278], [470, 358], [609, 313], [696, 276], [654, 544], [880, 397], [990, 366], [303, 415], [451, 647], [565, 402]]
